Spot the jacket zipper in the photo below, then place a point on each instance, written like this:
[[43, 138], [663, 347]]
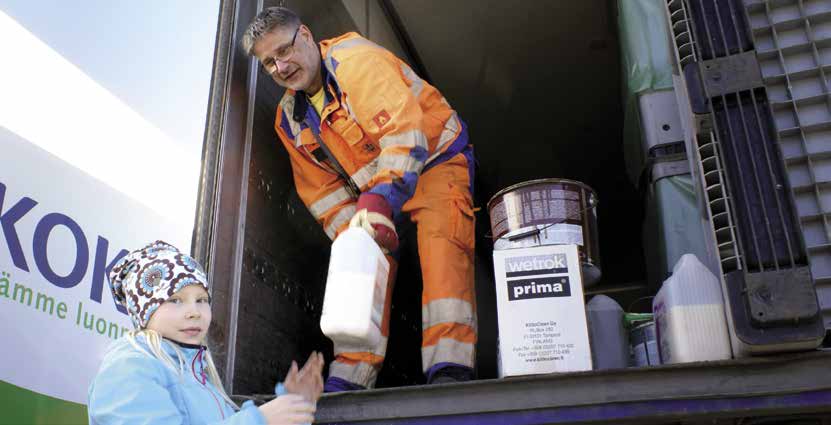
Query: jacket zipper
[[202, 379]]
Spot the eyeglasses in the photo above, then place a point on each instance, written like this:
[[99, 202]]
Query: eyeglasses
[[282, 53]]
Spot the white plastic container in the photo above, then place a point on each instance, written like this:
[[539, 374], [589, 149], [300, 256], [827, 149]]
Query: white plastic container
[[356, 288], [689, 315]]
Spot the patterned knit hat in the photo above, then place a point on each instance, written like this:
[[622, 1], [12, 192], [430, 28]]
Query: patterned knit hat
[[147, 277]]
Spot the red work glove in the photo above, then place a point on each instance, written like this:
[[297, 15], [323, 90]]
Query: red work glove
[[375, 215]]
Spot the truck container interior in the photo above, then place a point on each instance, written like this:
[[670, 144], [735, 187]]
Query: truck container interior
[[539, 84]]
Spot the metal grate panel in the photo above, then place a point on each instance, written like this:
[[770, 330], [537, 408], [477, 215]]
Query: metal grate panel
[[769, 236], [715, 192], [679, 17], [720, 28], [767, 232], [745, 183], [793, 43]]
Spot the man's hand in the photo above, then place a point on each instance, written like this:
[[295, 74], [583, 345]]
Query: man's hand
[[307, 381], [378, 218]]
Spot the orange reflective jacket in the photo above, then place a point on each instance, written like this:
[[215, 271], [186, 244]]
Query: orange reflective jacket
[[382, 123]]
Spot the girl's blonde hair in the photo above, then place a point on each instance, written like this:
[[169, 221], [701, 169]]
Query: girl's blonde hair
[[154, 343]]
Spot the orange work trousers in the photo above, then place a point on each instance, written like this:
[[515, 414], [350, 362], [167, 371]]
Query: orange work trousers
[[442, 210]]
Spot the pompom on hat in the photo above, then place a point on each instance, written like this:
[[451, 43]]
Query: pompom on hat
[[144, 279]]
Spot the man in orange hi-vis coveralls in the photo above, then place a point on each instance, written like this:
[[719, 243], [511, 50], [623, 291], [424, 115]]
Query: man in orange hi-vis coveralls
[[364, 132]]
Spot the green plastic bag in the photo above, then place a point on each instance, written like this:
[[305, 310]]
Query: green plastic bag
[[646, 65]]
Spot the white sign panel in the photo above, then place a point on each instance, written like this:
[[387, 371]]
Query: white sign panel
[[60, 232], [540, 310]]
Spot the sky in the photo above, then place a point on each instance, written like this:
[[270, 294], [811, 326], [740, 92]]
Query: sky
[[116, 88], [155, 55]]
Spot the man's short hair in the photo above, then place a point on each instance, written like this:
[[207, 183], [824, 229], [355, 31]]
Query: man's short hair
[[266, 21]]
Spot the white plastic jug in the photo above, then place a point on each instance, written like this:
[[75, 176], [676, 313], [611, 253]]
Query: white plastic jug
[[356, 288], [689, 315]]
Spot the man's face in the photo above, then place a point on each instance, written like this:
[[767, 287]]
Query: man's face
[[184, 317], [295, 66]]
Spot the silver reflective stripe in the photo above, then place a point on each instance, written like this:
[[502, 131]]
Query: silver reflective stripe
[[287, 103], [447, 351], [345, 104], [380, 350], [346, 44], [404, 163], [416, 84], [344, 215], [447, 310], [330, 63], [328, 202], [364, 175], [361, 373], [451, 129], [410, 139]]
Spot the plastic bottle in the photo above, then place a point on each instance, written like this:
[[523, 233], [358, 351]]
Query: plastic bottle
[[644, 349], [689, 315], [356, 288], [609, 339]]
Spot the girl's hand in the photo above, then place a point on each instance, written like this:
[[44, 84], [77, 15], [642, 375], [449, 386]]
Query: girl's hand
[[308, 381], [289, 409]]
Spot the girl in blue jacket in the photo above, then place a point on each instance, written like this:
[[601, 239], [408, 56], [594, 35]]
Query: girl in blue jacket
[[161, 372]]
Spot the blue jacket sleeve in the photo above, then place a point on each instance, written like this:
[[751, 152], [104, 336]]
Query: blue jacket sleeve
[[280, 389], [133, 390], [248, 415]]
